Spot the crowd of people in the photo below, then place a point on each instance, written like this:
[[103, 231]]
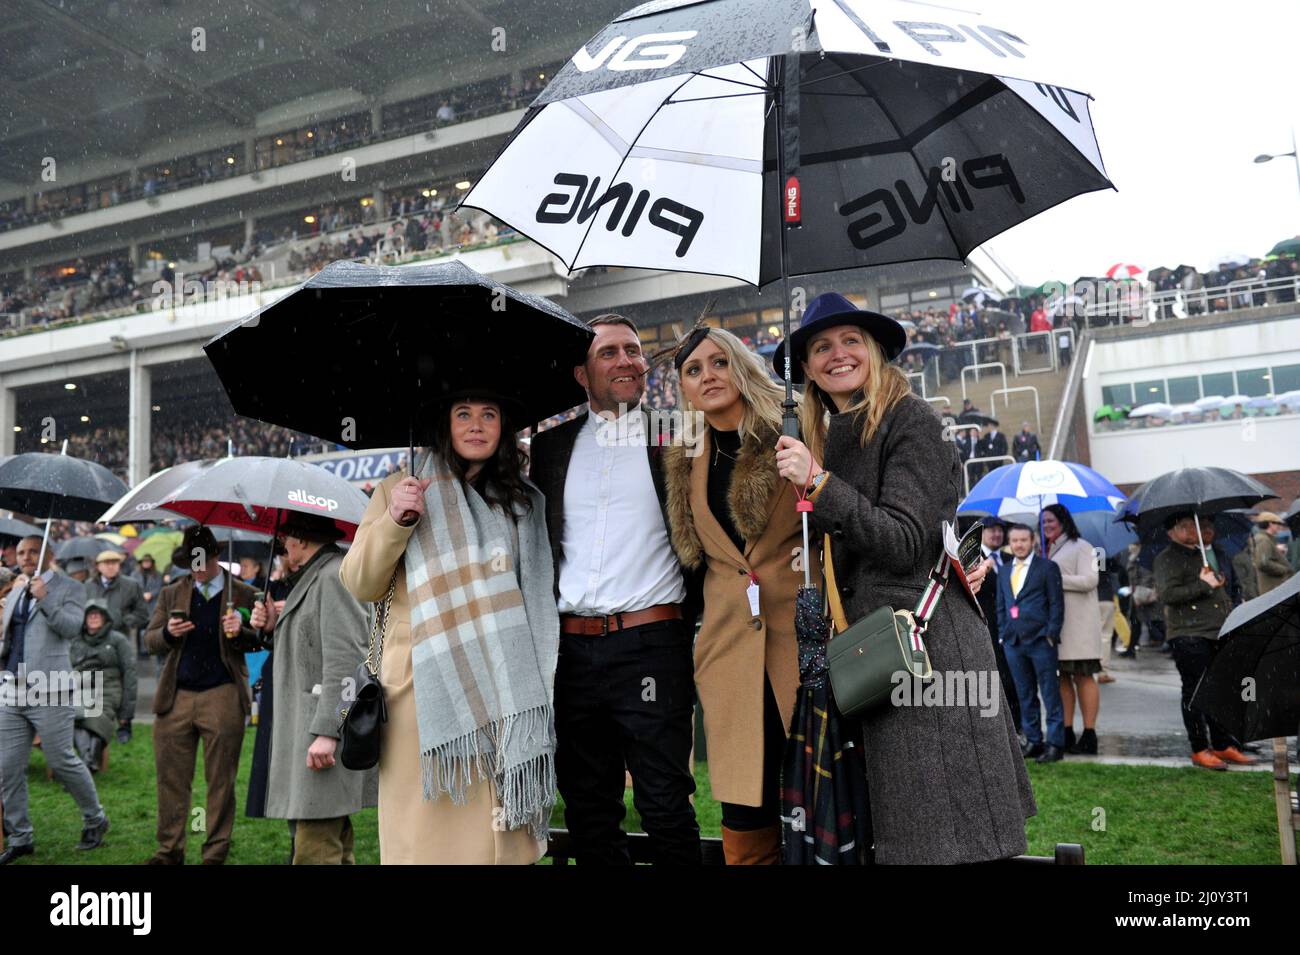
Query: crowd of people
[[481, 99], [55, 295]]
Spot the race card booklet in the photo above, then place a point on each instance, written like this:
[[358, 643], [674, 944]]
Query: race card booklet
[[965, 553]]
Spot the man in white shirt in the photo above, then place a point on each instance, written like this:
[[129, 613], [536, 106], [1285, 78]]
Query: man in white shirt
[[624, 687]]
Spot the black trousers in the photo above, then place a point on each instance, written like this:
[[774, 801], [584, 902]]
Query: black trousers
[[627, 699], [1193, 656], [1008, 683], [740, 818]]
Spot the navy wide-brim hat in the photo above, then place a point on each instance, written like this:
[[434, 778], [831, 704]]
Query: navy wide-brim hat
[[827, 311]]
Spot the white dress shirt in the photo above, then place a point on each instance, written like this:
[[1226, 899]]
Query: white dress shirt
[[617, 556]]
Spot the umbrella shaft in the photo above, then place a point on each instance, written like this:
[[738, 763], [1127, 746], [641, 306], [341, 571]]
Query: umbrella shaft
[[807, 558], [789, 417]]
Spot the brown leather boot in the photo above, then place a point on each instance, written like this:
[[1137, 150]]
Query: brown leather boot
[[755, 847]]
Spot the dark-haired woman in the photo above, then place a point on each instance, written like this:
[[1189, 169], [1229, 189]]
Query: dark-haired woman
[[1079, 656], [946, 782], [466, 768]]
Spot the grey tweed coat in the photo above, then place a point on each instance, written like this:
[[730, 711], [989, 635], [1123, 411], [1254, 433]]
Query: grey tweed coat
[[946, 784]]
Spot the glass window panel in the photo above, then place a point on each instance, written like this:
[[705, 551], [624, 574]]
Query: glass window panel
[[1253, 382], [1218, 383], [1117, 394], [1145, 392], [1285, 378], [1184, 390]]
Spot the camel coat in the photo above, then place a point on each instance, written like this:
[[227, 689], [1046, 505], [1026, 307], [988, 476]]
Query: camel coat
[[734, 647], [1081, 632], [411, 829]]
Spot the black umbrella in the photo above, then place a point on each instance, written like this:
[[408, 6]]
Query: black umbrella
[[242, 543], [1292, 517], [1231, 532], [1253, 686], [11, 527], [366, 356], [975, 417], [924, 349], [747, 140], [1202, 491], [86, 548], [57, 485], [140, 503]]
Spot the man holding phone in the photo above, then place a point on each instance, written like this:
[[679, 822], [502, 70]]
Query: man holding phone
[[202, 694]]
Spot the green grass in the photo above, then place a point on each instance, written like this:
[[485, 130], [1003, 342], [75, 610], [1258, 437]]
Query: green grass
[[1152, 814]]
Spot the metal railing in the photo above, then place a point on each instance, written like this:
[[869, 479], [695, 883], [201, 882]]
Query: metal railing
[[1018, 347], [975, 368], [1148, 306], [1004, 458], [1006, 392], [1065, 410]]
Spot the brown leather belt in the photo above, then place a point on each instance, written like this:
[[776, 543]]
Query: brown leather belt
[[603, 626]]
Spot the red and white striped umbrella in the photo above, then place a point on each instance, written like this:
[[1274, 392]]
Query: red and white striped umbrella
[[1124, 270]]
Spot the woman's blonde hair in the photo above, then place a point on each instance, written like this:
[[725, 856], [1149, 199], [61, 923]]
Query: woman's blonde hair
[[886, 386], [761, 395]]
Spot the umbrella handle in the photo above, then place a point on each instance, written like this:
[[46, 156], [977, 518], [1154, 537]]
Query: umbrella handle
[[1200, 541]]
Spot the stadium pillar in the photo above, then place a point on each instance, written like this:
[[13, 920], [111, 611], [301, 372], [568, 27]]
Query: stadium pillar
[[8, 414], [139, 420]]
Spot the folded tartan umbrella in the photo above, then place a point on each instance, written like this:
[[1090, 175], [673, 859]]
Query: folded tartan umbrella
[[824, 808]]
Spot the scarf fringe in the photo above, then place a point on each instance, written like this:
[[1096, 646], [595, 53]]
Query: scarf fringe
[[525, 791]]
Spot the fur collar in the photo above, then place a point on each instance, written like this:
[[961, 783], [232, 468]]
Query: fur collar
[[753, 481]]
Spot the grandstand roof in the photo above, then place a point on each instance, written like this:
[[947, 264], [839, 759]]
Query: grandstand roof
[[95, 79]]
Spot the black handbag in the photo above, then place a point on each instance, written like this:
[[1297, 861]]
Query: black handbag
[[362, 717]]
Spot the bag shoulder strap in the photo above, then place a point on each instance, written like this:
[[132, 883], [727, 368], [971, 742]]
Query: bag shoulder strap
[[376, 648], [838, 620]]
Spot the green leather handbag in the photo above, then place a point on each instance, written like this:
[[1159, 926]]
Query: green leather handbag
[[865, 659]]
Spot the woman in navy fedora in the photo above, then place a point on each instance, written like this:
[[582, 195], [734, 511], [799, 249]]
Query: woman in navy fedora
[[946, 780]]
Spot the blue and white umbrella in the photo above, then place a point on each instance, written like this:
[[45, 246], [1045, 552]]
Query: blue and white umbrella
[[1019, 492]]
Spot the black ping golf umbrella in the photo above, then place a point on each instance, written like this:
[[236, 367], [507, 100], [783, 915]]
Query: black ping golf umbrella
[[365, 356], [1253, 686], [762, 139]]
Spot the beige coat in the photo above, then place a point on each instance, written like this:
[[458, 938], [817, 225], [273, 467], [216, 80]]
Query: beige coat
[[1081, 632], [411, 829], [734, 647]]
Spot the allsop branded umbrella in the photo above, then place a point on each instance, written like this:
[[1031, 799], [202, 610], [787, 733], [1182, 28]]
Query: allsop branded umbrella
[[141, 502], [251, 493], [1253, 686], [748, 138], [57, 485], [365, 356]]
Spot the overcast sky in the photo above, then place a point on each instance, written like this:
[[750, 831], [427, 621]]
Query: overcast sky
[[1186, 94]]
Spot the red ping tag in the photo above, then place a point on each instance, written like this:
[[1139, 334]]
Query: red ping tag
[[1015, 612]]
